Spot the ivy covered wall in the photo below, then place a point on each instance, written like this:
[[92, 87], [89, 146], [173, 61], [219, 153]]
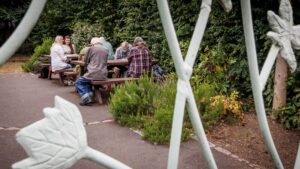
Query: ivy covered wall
[[222, 56]]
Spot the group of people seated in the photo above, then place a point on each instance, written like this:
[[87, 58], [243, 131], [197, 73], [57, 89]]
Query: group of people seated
[[95, 56], [59, 49]]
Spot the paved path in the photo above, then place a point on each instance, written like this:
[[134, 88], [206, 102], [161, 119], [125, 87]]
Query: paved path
[[23, 96]]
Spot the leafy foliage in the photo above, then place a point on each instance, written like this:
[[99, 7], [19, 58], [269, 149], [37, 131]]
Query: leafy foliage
[[214, 107], [158, 129], [132, 102], [44, 48], [289, 116], [210, 115], [221, 61], [142, 104], [149, 107], [84, 31]]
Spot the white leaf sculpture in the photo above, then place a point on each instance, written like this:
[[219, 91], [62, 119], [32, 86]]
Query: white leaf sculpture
[[226, 4], [59, 140], [285, 34]]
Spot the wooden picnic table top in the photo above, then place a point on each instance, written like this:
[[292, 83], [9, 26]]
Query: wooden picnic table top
[[69, 56], [116, 62]]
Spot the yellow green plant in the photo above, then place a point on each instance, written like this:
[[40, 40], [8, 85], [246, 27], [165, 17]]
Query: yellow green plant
[[232, 107]]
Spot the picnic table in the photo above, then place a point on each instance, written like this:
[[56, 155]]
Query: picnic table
[[63, 72], [69, 56], [116, 62], [100, 86], [120, 63]]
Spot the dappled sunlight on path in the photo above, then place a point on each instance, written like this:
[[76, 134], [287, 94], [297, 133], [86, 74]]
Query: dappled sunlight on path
[[13, 65]]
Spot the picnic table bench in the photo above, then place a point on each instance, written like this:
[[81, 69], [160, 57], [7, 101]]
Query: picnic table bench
[[101, 86], [63, 73]]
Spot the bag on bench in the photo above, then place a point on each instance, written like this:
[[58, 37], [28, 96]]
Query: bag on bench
[[157, 71], [44, 73]]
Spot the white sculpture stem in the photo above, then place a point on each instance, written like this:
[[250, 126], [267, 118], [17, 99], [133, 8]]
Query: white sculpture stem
[[171, 36], [256, 87], [103, 159], [297, 162], [267, 67], [198, 32], [184, 91], [23, 30], [176, 128]]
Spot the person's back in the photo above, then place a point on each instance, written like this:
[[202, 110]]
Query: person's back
[[140, 61], [96, 62]]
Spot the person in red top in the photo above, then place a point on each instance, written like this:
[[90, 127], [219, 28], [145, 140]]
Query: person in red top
[[139, 59]]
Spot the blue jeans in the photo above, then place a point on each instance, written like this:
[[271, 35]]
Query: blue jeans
[[68, 66], [83, 86]]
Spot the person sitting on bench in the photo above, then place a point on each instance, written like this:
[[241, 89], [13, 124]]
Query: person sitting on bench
[[58, 59], [139, 59], [96, 63]]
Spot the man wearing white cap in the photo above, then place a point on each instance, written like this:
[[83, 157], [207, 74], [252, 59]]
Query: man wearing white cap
[[96, 64]]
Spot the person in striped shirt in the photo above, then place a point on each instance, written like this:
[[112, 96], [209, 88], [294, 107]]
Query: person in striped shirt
[[123, 51]]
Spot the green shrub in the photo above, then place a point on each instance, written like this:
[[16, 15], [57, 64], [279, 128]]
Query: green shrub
[[147, 106], [213, 107], [210, 115], [44, 48], [289, 115], [83, 31], [158, 130], [133, 101]]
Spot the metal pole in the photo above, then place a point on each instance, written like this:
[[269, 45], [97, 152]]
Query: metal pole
[[184, 91], [171, 37], [198, 127], [297, 163], [22, 31], [103, 159], [267, 67], [199, 32], [254, 76], [177, 127]]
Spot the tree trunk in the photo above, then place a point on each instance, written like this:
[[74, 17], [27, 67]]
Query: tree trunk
[[281, 69]]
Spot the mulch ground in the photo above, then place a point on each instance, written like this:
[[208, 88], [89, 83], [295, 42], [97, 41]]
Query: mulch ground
[[246, 141]]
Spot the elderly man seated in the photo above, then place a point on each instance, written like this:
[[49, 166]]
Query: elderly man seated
[[96, 64]]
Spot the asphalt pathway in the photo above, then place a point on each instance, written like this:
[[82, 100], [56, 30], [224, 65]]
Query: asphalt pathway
[[23, 97]]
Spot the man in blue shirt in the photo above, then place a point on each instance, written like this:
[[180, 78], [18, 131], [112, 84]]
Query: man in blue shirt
[[108, 45]]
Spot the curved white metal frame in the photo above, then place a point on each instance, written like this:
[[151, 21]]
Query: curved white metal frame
[[23, 30], [184, 70]]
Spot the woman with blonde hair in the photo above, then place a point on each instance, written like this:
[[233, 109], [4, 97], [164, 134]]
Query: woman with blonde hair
[[58, 59]]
